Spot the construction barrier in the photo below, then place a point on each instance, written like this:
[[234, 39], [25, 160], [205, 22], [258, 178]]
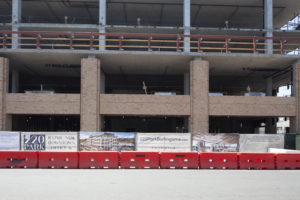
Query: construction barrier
[[218, 160], [179, 160], [288, 161], [151, 160], [58, 160], [257, 160], [98, 160], [139, 160], [18, 159]]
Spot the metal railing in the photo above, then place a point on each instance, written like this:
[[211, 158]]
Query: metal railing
[[148, 42]]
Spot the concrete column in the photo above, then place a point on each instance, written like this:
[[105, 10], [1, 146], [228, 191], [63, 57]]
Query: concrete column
[[295, 128], [268, 24], [102, 82], [5, 120], [14, 81], [269, 87], [16, 19], [187, 23], [102, 23], [90, 94], [186, 83], [199, 80]]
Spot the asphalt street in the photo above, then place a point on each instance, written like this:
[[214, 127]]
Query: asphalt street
[[95, 184]]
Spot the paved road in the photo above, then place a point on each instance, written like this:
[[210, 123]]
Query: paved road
[[31, 184]]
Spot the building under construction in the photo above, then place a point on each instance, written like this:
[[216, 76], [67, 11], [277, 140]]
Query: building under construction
[[206, 66]]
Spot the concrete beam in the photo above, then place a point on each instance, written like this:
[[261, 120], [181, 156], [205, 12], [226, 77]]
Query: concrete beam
[[187, 23], [268, 24], [16, 19]]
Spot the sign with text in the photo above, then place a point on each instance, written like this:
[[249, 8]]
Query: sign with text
[[49, 141], [218, 142], [10, 141], [260, 142], [163, 142]]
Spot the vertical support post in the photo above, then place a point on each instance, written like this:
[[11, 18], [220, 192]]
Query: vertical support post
[[199, 80], [187, 24], [102, 24], [269, 88], [5, 120], [187, 83], [268, 25], [90, 94], [14, 81], [16, 19]]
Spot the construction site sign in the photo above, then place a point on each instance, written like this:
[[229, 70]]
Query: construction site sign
[[49, 141], [10, 141], [219, 142], [163, 142]]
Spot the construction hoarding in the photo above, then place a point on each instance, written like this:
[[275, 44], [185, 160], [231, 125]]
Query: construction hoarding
[[219, 142], [107, 141], [49, 141], [163, 142], [9, 141], [260, 142]]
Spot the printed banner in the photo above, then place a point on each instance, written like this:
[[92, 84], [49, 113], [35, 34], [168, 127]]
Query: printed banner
[[49, 141], [107, 141], [163, 142], [219, 142], [10, 141], [260, 142]]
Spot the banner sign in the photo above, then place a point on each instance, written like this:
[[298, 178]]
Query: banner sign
[[49, 141], [221, 142], [10, 141], [163, 142], [107, 141], [260, 142]]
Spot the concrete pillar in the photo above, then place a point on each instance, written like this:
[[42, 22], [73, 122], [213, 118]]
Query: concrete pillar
[[102, 23], [269, 87], [90, 94], [5, 120], [187, 23], [199, 80], [14, 81], [102, 82], [186, 83], [16, 19], [295, 128], [268, 24]]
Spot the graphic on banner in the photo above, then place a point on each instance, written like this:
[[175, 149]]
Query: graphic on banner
[[260, 143], [107, 141], [10, 141], [221, 142], [163, 142], [49, 141]]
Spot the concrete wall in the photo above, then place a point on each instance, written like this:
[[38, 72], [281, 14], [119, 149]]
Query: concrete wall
[[163, 105], [251, 106], [89, 96], [5, 120], [55, 104], [295, 121], [199, 81]]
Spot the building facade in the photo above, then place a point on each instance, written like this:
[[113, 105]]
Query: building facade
[[148, 66]]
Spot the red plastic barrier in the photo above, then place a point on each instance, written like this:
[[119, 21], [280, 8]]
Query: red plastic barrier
[[257, 160], [288, 161], [139, 160], [18, 159], [218, 161], [179, 160], [98, 160], [58, 159]]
